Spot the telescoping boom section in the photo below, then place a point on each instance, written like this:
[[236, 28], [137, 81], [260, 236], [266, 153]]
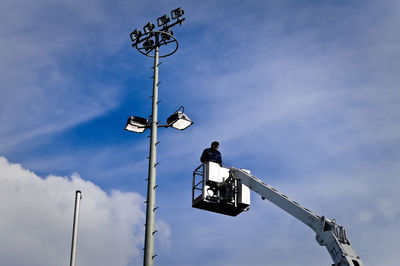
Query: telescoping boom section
[[227, 191]]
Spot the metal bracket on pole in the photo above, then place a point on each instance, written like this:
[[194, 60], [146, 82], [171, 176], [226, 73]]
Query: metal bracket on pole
[[157, 65], [155, 209], [155, 232]]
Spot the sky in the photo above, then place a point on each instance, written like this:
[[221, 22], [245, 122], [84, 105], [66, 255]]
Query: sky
[[304, 94]]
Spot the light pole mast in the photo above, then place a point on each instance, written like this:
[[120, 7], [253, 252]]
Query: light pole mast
[[151, 185], [145, 43]]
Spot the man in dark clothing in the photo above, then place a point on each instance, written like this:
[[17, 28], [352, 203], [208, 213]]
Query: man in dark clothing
[[212, 154]]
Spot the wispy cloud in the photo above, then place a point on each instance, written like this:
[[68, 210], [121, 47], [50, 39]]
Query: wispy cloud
[[311, 107], [52, 78]]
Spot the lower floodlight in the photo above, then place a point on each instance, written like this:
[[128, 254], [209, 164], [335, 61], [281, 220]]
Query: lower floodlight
[[148, 44], [176, 13], [179, 120], [167, 34], [137, 124], [135, 35], [148, 27], [163, 20]]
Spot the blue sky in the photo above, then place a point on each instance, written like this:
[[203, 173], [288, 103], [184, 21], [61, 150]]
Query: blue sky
[[303, 93]]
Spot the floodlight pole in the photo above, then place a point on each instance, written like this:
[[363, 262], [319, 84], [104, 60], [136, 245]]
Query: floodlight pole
[[151, 185], [145, 44], [78, 197]]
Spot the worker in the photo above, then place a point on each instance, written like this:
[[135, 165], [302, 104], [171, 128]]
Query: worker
[[212, 154]]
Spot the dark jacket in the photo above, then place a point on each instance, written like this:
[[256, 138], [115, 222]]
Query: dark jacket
[[211, 155]]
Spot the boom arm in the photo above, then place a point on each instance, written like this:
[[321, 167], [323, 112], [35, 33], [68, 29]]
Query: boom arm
[[328, 233]]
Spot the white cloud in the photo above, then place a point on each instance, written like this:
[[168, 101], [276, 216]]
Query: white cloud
[[37, 216]]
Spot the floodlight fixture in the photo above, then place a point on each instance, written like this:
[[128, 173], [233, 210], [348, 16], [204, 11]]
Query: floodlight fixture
[[168, 34], [148, 27], [163, 20], [137, 124], [148, 44], [135, 35], [176, 13], [179, 120]]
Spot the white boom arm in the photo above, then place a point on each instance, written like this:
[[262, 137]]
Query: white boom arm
[[328, 233]]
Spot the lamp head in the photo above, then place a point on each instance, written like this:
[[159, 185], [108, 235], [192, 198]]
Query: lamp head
[[163, 20], [179, 120], [148, 27], [176, 13], [137, 124], [135, 35], [168, 35], [148, 44]]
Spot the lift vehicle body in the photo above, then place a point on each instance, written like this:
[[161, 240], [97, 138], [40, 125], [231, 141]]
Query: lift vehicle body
[[227, 191]]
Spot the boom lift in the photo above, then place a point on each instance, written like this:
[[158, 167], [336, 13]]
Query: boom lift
[[227, 191]]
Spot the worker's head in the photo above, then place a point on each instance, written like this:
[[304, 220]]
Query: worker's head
[[215, 145]]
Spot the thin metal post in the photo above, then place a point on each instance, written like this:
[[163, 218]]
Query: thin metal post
[[151, 187], [78, 197]]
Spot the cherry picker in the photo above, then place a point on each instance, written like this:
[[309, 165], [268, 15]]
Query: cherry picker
[[227, 191]]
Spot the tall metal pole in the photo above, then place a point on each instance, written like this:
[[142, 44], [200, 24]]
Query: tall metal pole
[[145, 43], [151, 187], [78, 197]]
